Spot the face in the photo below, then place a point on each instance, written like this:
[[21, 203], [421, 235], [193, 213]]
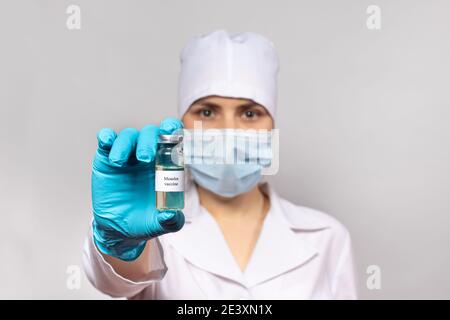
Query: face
[[227, 113]]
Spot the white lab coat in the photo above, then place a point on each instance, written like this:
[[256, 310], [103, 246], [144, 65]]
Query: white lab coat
[[301, 253]]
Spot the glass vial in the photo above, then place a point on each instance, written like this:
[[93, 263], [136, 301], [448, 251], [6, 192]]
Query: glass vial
[[169, 173]]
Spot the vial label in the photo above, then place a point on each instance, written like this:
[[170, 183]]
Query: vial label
[[169, 180]]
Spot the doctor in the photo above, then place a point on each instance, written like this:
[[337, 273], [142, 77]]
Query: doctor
[[236, 239]]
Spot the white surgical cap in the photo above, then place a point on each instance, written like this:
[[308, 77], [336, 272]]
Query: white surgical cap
[[243, 65]]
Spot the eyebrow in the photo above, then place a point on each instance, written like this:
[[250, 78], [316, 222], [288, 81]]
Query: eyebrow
[[215, 105]]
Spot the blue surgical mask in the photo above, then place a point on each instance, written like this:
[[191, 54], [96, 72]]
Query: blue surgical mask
[[227, 180], [214, 170]]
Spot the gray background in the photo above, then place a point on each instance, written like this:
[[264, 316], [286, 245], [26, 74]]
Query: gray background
[[363, 117]]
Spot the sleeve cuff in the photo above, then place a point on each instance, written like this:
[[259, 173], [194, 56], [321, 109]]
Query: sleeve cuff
[[103, 276]]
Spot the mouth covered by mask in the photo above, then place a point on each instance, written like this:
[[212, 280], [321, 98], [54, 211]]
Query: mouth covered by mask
[[227, 162]]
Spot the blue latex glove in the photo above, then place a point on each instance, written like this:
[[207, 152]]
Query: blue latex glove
[[123, 191]]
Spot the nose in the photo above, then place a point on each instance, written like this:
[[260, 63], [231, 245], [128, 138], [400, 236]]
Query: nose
[[229, 121]]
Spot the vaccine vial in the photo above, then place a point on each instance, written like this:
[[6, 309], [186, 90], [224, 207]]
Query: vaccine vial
[[169, 172]]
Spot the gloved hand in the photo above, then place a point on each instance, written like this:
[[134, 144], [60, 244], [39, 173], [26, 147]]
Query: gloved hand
[[123, 191]]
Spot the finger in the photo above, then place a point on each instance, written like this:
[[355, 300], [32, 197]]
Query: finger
[[105, 138], [171, 221], [170, 125], [123, 146], [146, 144]]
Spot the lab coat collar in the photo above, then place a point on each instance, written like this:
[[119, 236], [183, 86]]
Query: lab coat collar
[[279, 247]]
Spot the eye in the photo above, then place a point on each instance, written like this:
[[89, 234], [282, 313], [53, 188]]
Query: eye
[[205, 112], [251, 114]]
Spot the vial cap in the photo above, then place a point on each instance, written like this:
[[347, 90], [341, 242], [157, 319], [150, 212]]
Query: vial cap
[[170, 138]]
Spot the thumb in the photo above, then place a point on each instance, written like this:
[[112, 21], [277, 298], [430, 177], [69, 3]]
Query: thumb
[[171, 221], [161, 222]]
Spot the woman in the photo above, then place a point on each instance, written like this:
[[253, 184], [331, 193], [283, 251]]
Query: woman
[[248, 244]]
